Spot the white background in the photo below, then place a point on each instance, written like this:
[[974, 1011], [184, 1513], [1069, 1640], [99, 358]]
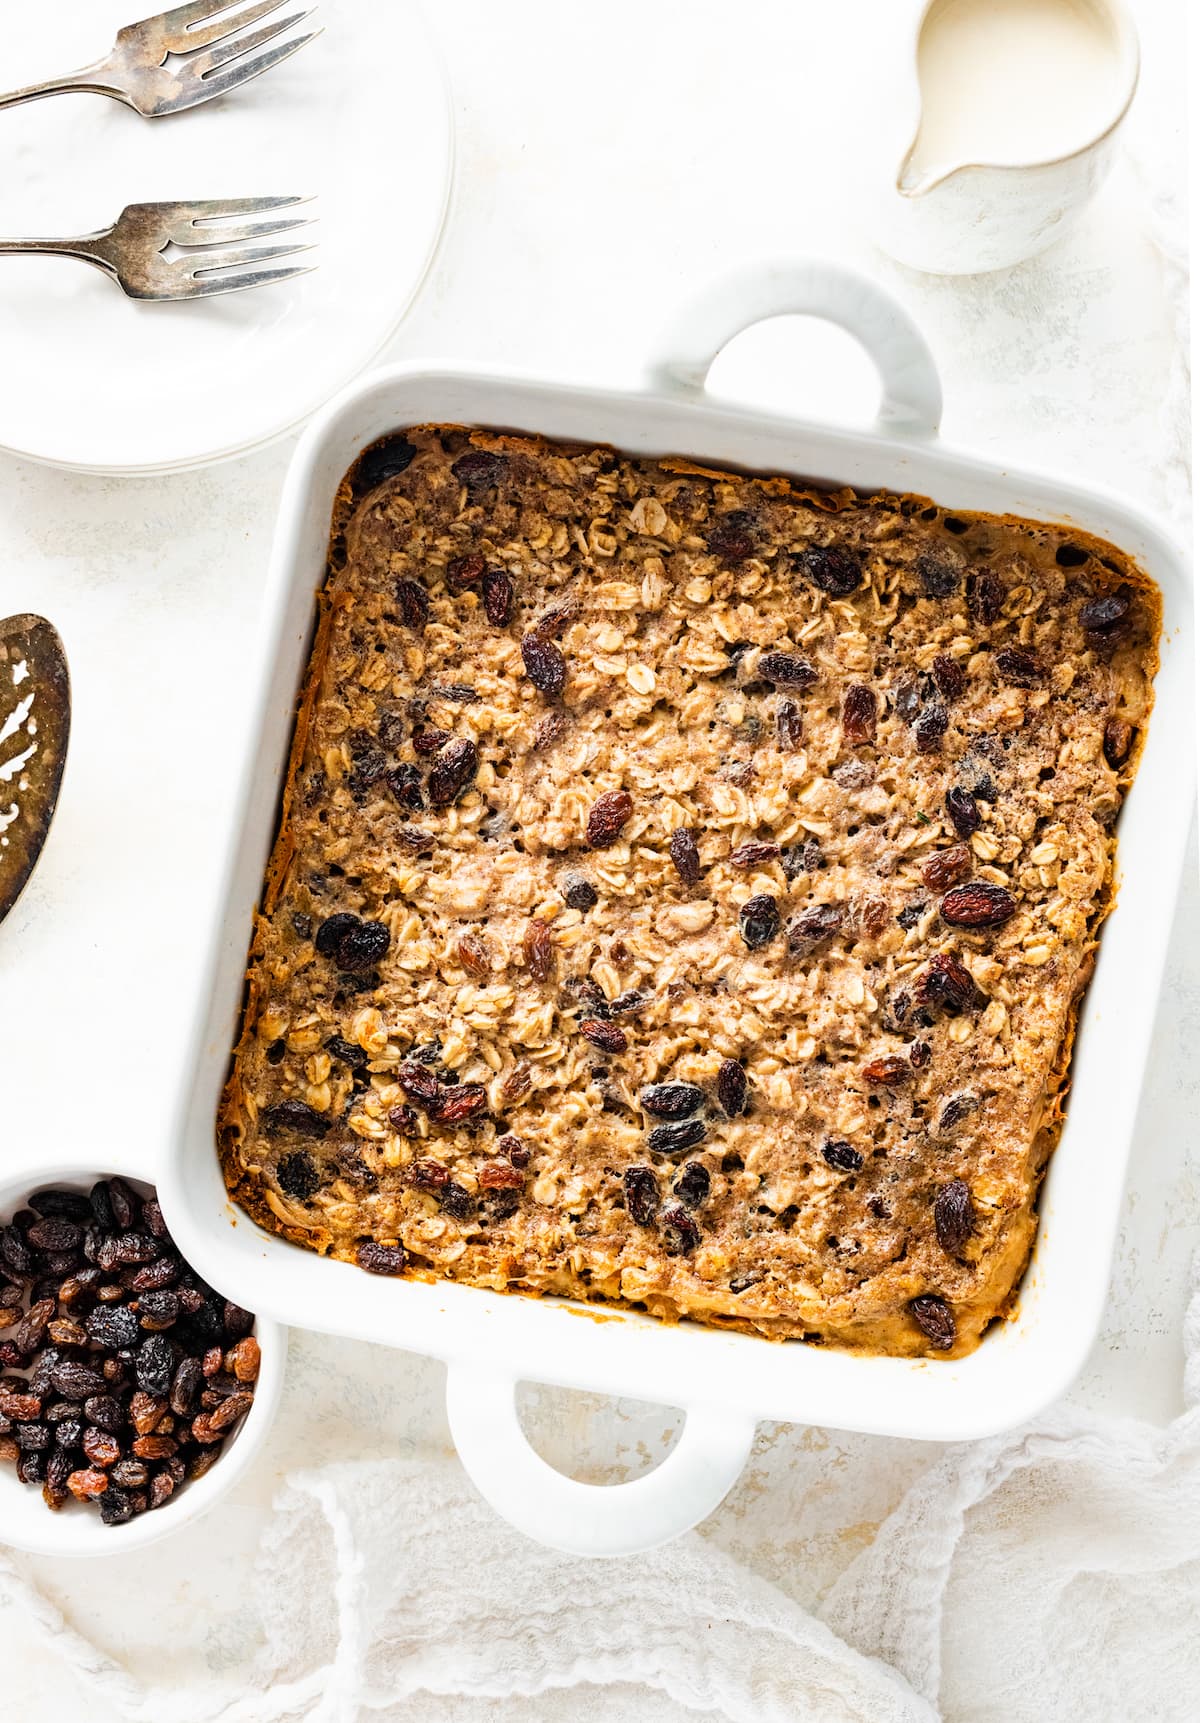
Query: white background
[[610, 159]]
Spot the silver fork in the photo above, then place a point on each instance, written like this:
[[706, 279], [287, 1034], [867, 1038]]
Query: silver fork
[[184, 250], [174, 60]]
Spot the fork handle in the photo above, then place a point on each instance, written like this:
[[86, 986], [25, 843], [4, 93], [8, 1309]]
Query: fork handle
[[92, 80], [88, 248]]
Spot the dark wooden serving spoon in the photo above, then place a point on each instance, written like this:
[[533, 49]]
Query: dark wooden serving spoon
[[35, 721]]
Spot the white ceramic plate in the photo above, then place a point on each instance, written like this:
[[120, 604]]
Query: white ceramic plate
[[92, 380]]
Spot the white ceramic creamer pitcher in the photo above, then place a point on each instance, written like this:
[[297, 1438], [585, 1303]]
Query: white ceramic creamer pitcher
[[1010, 110]]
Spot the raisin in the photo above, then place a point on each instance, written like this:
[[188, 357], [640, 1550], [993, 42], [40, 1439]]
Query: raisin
[[405, 784], [15, 1251], [112, 1325], [427, 1175], [499, 1175], [185, 1387], [758, 921], [693, 1184], [545, 665], [1103, 616], [831, 569], [391, 735], [677, 1222], [978, 904], [788, 729], [155, 1364], [934, 1317], [124, 1203], [384, 461], [497, 597], [116, 1507], [813, 926], [1016, 664], [685, 855], [294, 1117], [641, 1194], [453, 772], [21, 1407], [919, 1055], [963, 811], [930, 727], [751, 855], [985, 596], [538, 949], [65, 1205], [953, 1217], [332, 931], [458, 1203], [949, 676], [1118, 739], [938, 579], [86, 1485], [553, 625], [414, 604], [579, 893], [552, 726], [479, 469], [947, 868], [609, 814], [859, 713], [731, 538], [672, 1139], [843, 1156], [297, 1176], [379, 1259], [464, 571], [164, 1272], [906, 698], [103, 1410], [419, 1083], [957, 1108], [76, 1381], [475, 954], [732, 1089], [889, 1072], [428, 741], [158, 1310], [788, 669], [346, 1052], [101, 1448], [606, 1036], [466, 1101], [671, 1100], [948, 984]]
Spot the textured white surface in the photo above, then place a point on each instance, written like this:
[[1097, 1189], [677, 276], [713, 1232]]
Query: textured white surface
[[606, 167]]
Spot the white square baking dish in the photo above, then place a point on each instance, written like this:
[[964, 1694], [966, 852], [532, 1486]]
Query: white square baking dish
[[724, 1381]]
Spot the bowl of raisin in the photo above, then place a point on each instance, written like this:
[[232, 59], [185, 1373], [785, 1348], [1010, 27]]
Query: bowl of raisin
[[132, 1393]]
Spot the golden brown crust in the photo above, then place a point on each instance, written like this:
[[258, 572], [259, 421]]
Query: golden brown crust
[[906, 1075]]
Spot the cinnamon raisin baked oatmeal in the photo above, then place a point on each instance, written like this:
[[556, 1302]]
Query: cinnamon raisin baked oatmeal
[[685, 889]]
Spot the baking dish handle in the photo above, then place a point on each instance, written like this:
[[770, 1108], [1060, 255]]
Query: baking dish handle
[[912, 391], [590, 1519]]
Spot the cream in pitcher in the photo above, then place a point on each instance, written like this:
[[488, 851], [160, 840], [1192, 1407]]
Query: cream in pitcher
[[1016, 105], [1010, 81]]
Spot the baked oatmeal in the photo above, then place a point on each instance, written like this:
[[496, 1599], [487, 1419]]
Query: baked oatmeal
[[685, 889]]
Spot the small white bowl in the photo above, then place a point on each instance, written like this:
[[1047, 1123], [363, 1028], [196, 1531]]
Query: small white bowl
[[76, 1530]]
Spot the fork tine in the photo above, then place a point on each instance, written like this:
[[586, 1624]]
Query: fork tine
[[210, 284], [242, 71], [187, 223], [205, 21], [233, 47], [198, 234], [241, 256]]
